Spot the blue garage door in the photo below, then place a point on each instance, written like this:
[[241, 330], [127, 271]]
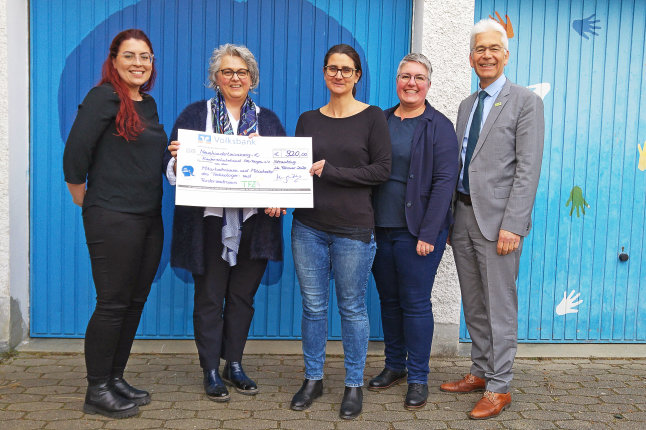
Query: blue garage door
[[69, 41], [586, 59]]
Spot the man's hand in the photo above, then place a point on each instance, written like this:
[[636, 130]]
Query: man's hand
[[424, 248], [507, 242]]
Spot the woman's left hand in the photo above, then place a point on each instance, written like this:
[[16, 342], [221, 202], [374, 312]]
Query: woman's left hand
[[317, 168], [276, 212], [254, 134], [424, 248]]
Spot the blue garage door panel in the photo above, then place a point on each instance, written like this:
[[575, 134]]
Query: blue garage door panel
[[69, 42], [586, 58]]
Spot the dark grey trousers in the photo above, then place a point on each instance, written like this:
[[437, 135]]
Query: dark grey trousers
[[489, 299]]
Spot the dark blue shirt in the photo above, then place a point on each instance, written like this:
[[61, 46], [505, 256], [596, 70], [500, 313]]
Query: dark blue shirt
[[391, 195]]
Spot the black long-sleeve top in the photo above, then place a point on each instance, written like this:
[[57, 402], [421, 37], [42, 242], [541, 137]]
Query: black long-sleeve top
[[121, 175], [357, 155]]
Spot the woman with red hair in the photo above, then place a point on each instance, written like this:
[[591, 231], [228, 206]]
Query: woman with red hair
[[113, 169]]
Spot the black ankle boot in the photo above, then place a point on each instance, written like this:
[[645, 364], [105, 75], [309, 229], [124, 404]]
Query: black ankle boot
[[310, 390], [233, 375], [214, 386], [101, 399], [127, 391], [386, 379], [352, 403], [416, 396]]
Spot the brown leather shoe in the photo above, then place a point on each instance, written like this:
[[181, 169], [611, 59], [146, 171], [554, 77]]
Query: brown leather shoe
[[490, 405], [465, 385]]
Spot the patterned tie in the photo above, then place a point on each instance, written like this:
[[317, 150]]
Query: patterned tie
[[474, 134], [231, 222]]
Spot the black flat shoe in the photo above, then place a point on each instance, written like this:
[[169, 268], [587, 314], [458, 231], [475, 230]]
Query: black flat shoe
[[233, 375], [386, 379], [310, 391], [214, 386], [416, 396], [127, 391], [101, 399], [352, 403]]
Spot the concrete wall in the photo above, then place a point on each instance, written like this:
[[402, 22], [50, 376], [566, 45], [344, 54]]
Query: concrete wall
[[445, 41], [14, 173]]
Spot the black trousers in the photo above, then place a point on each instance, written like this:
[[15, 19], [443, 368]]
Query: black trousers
[[224, 296], [124, 250]]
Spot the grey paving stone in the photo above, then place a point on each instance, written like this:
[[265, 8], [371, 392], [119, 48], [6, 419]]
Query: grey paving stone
[[468, 424], [10, 415], [251, 424], [22, 424], [277, 414], [193, 423], [546, 415], [581, 425], [54, 415], [167, 414], [441, 415], [419, 425], [81, 424], [54, 389], [359, 424], [301, 424], [34, 406], [223, 414], [525, 424], [134, 423], [20, 398]]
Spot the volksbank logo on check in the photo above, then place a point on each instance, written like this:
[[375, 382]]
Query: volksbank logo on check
[[204, 138]]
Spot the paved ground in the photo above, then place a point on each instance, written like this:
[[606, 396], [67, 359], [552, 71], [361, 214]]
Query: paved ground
[[45, 390]]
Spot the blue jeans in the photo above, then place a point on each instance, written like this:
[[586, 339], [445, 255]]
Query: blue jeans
[[316, 255], [404, 281]]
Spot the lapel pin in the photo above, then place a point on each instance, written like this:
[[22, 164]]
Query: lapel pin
[[498, 104]]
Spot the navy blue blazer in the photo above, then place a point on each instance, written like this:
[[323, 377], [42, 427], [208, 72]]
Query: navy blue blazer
[[432, 175], [187, 243]]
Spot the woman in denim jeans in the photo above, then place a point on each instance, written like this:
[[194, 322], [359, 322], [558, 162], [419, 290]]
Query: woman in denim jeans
[[412, 217], [351, 144]]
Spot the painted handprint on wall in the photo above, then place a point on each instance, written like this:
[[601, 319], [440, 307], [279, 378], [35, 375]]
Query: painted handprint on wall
[[577, 200], [505, 24], [586, 25], [642, 157], [541, 89], [568, 304]]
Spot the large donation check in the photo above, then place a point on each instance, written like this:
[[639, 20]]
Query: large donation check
[[221, 170]]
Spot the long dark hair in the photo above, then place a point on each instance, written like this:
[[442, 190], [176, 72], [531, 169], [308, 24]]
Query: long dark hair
[[348, 50], [129, 125]]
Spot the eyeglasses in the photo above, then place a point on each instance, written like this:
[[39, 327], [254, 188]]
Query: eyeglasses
[[495, 49], [240, 73], [131, 57], [346, 72], [405, 77]]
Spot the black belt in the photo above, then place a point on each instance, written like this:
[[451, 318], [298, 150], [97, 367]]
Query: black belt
[[464, 198]]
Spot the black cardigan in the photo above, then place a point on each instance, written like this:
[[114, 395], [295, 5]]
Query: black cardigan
[[187, 244]]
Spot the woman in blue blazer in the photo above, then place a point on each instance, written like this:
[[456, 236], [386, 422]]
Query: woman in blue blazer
[[412, 220]]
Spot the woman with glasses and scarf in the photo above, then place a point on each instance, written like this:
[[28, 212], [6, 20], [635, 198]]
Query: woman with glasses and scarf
[[351, 146], [113, 169], [226, 249]]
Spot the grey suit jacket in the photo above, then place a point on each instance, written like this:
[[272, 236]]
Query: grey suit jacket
[[506, 163]]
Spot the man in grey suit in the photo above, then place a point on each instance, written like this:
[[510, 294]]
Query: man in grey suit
[[500, 130]]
